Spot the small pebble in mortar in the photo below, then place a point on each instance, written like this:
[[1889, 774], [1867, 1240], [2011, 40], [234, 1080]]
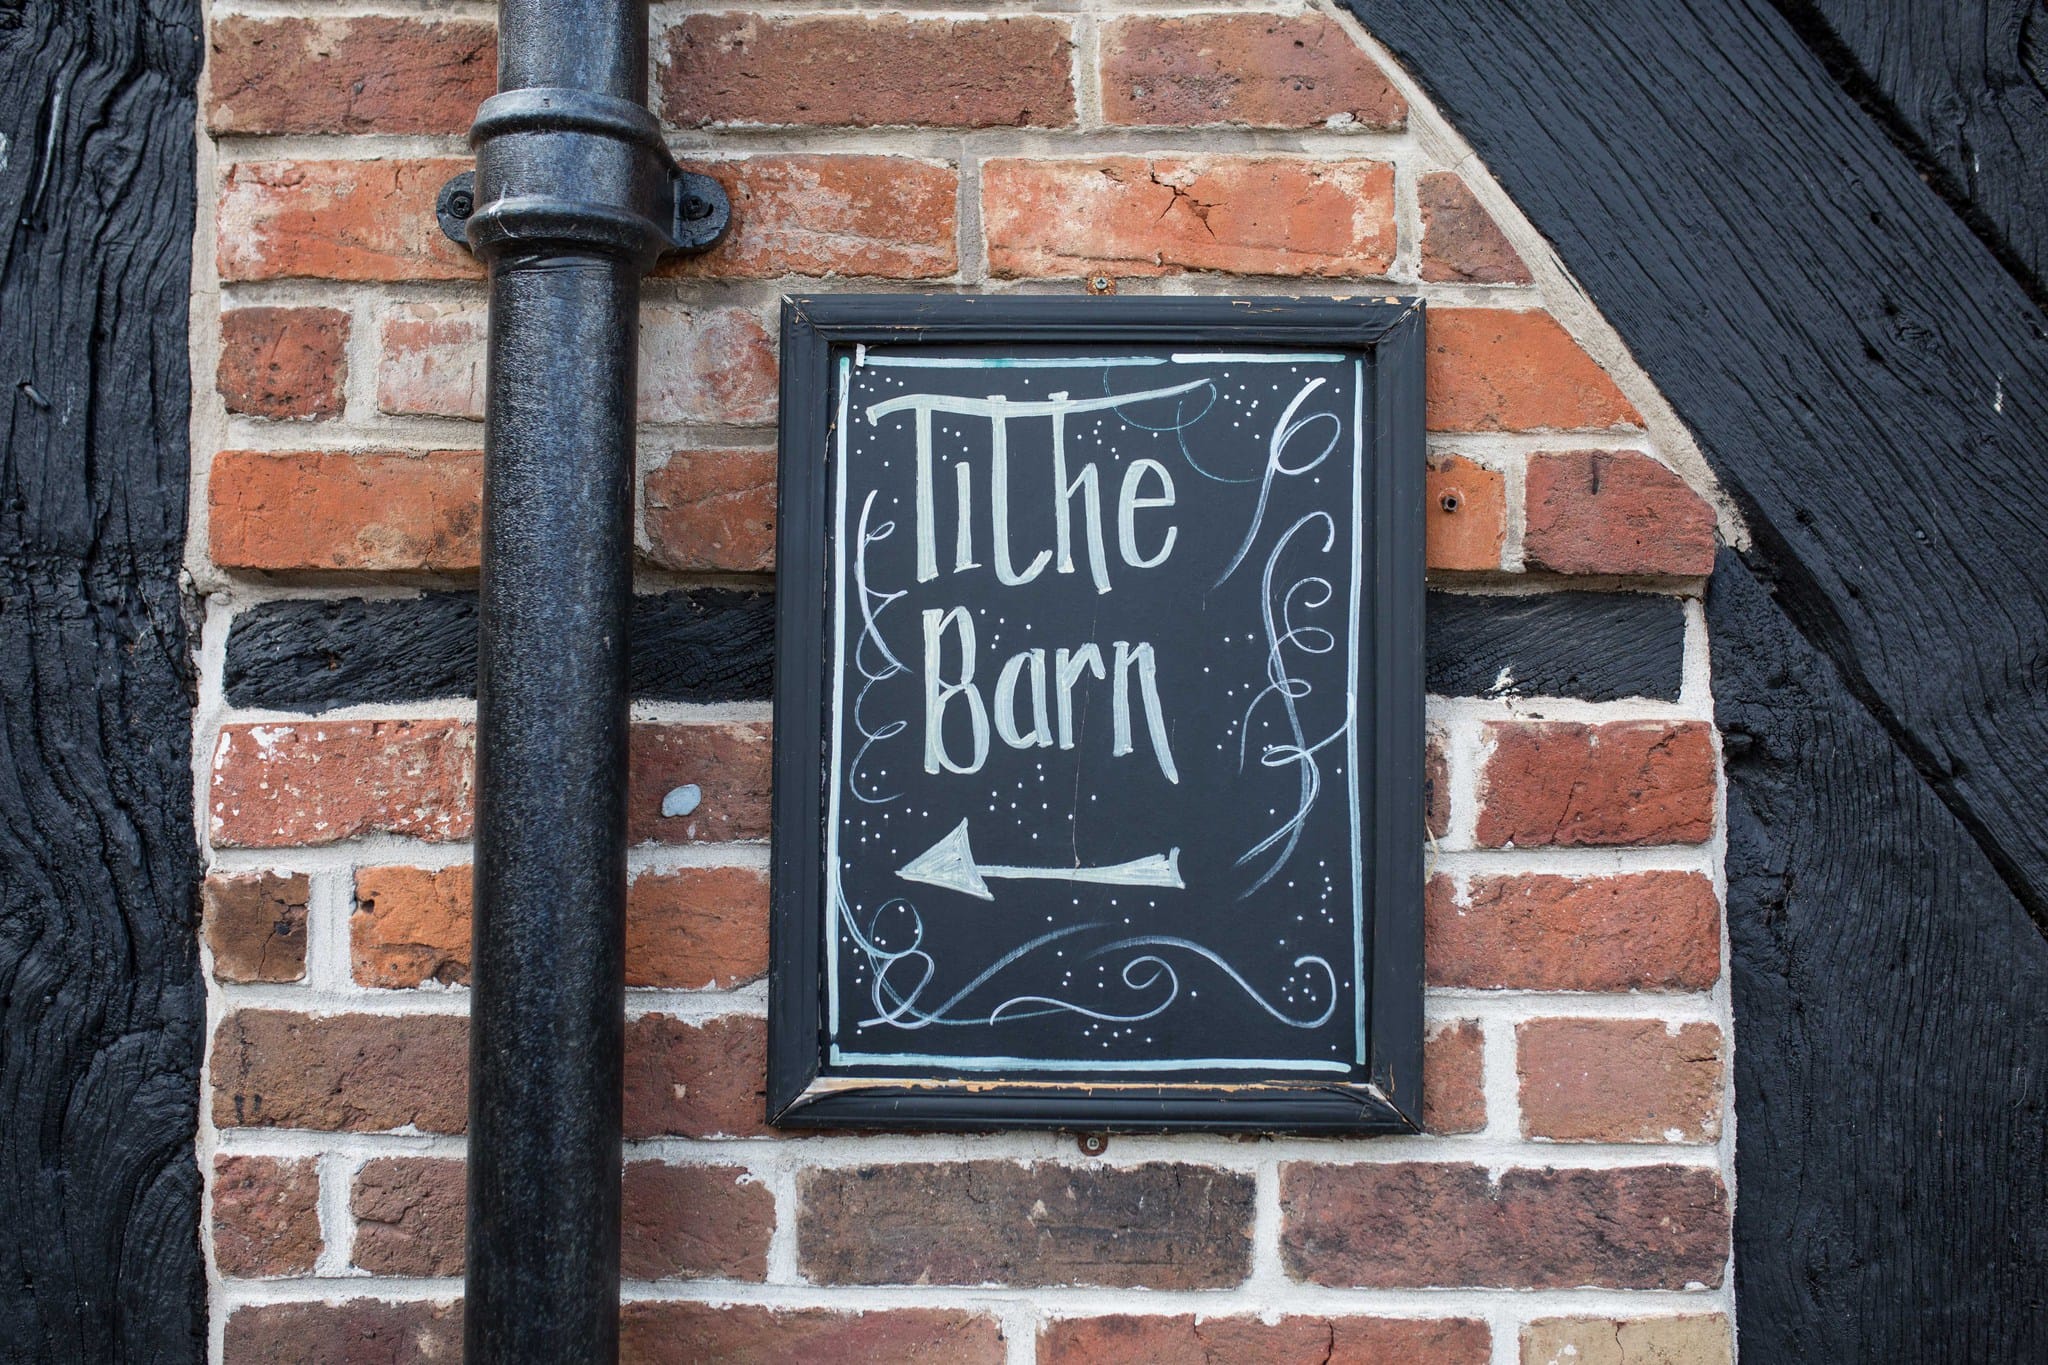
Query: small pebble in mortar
[[682, 800]]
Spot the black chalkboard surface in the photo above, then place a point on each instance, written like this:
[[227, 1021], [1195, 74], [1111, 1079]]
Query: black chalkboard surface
[[1099, 694]]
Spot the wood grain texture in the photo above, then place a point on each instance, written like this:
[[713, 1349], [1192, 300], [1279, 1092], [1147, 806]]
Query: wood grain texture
[[1595, 646], [699, 645], [1891, 1059], [101, 1010], [1863, 374], [1962, 87], [716, 644]]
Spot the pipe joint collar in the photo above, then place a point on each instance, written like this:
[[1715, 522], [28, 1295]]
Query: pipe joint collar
[[561, 170]]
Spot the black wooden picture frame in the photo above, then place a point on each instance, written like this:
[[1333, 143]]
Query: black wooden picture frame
[[1383, 1093]]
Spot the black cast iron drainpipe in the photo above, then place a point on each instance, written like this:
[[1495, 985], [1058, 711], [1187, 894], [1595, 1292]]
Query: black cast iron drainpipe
[[573, 199]]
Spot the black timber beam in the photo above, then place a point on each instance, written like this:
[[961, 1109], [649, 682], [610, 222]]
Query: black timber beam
[[102, 1014], [1865, 377]]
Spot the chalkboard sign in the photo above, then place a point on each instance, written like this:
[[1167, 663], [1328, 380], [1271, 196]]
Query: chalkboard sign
[[1099, 714]]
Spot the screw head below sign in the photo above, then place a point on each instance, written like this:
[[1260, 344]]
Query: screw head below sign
[[1098, 784]]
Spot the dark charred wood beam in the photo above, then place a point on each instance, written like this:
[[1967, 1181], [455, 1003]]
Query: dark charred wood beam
[[102, 1014]]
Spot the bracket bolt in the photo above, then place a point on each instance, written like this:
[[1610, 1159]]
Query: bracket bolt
[[1101, 284], [1093, 1144]]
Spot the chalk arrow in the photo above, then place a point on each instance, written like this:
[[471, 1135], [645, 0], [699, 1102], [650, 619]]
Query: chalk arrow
[[950, 864]]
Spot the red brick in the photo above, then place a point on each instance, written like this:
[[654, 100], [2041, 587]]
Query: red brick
[[1135, 215], [386, 511], [354, 1332], [1619, 1080], [1625, 782], [652, 1333], [1461, 244], [1184, 1339], [361, 74], [411, 926], [1157, 1226], [1259, 70], [712, 365], [1615, 512], [885, 217], [691, 928], [742, 68], [699, 1221], [315, 782], [1466, 510], [728, 764], [1693, 1340], [697, 927], [1436, 783], [711, 511], [409, 1216], [266, 1216], [1492, 369], [256, 925], [341, 1073], [696, 1080], [1423, 1225], [1657, 931], [283, 362], [1454, 1077], [338, 220]]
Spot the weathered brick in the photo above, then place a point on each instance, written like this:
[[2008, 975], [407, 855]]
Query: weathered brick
[[1466, 507], [1259, 70], [353, 1332], [747, 1334], [697, 927], [1492, 369], [411, 926], [743, 68], [283, 362], [266, 1216], [1185, 1339], [1692, 1340], [690, 928], [677, 1220], [1619, 1080], [1157, 1226], [1461, 244], [1436, 783], [327, 509], [699, 1221], [713, 364], [727, 763], [315, 782], [1425, 1225], [256, 925], [1454, 1077], [360, 74], [341, 1072], [1658, 931], [696, 1080], [1614, 512], [409, 1216], [1135, 215], [338, 220], [712, 510], [1625, 782], [885, 217]]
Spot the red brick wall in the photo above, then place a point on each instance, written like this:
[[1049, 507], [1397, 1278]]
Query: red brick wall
[[1571, 1200]]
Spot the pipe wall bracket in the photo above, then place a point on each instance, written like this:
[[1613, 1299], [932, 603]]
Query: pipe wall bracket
[[569, 170]]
